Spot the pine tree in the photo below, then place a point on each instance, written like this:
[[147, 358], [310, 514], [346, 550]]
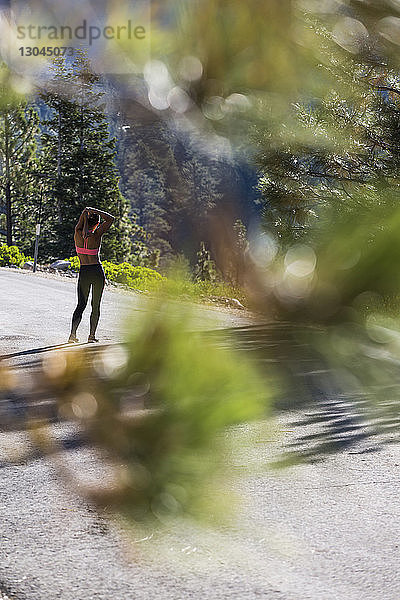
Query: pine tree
[[205, 267], [18, 127], [78, 166], [171, 185], [142, 182], [239, 251], [200, 173], [337, 149], [153, 184]]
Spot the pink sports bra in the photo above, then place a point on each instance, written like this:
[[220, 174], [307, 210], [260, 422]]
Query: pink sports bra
[[86, 250]]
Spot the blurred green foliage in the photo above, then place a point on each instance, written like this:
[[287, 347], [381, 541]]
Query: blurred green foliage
[[11, 88], [170, 459]]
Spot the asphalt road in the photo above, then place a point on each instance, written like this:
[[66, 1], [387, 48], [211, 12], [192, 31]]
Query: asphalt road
[[324, 530], [36, 311]]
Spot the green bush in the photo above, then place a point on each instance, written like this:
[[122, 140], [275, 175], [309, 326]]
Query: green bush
[[206, 289], [139, 278], [179, 283], [75, 263], [11, 255]]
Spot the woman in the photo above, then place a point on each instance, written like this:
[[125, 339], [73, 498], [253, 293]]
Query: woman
[[88, 233]]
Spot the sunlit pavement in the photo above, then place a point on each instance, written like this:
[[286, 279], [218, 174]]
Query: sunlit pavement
[[36, 311]]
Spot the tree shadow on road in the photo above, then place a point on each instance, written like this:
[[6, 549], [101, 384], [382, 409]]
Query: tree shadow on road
[[34, 351], [321, 414]]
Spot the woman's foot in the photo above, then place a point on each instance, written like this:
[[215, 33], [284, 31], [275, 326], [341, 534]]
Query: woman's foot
[[72, 339], [92, 339]]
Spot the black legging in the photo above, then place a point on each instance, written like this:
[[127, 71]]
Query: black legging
[[89, 275]]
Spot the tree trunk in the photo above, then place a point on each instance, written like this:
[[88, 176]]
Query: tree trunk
[[59, 149], [8, 183], [8, 213]]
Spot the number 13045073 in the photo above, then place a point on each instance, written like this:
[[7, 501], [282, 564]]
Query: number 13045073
[[46, 51]]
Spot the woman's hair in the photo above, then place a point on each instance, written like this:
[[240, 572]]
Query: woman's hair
[[93, 220]]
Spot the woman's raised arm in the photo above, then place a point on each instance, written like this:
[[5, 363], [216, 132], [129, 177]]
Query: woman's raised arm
[[108, 219], [82, 221]]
